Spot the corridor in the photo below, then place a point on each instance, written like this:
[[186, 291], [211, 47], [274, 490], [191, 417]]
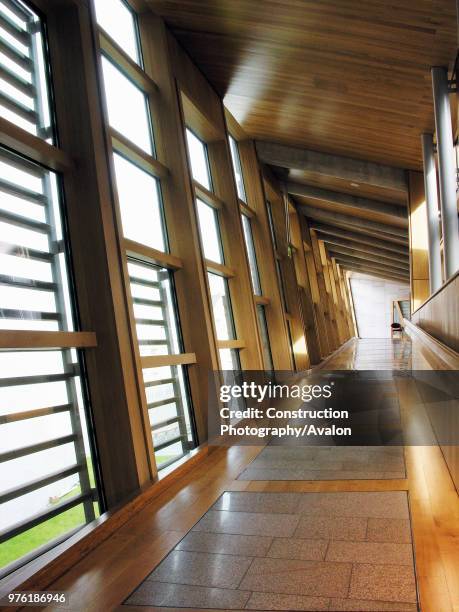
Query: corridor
[[220, 539], [229, 296]]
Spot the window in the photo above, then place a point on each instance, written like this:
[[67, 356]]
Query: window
[[140, 205], [47, 483], [120, 23], [24, 97], [166, 387], [263, 326], [237, 169], [210, 231], [199, 161], [221, 306], [280, 276], [211, 240], [127, 107], [248, 237], [154, 310]]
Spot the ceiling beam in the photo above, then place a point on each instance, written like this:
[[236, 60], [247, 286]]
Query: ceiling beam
[[358, 237], [371, 265], [362, 270], [351, 202], [362, 248], [346, 168], [348, 220], [402, 265]]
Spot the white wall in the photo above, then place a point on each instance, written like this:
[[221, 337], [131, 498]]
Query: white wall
[[373, 302]]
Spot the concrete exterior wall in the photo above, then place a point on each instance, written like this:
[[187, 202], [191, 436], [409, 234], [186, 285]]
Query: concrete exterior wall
[[373, 302]]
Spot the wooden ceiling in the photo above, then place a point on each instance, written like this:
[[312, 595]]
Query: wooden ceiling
[[340, 76]]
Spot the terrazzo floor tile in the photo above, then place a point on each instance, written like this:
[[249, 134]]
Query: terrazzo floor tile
[[383, 582], [326, 463], [229, 544], [341, 551], [177, 595], [201, 569], [319, 474], [246, 501], [298, 577], [369, 504], [388, 530], [274, 601], [332, 528], [248, 523], [370, 552], [296, 548], [354, 605]]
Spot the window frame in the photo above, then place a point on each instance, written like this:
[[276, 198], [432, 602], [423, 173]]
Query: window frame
[[152, 165], [33, 151]]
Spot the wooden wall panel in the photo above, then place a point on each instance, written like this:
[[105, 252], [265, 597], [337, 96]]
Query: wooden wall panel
[[418, 238]]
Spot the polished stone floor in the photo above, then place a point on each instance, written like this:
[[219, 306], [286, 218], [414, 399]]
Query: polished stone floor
[[327, 463], [291, 551]]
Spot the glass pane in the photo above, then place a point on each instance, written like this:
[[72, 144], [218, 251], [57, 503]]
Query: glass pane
[[166, 387], [290, 340], [221, 307], [269, 210], [169, 412], [280, 279], [24, 97], [248, 237], [263, 326], [210, 232], [237, 169], [120, 22], [127, 107], [140, 204], [152, 292], [41, 397], [197, 151], [229, 359], [230, 364]]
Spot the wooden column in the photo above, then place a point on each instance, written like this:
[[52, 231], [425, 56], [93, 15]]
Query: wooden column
[[319, 307], [305, 293], [324, 294]]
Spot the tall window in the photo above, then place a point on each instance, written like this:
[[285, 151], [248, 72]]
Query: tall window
[[47, 483], [280, 277], [239, 177], [247, 214], [219, 274], [149, 265]]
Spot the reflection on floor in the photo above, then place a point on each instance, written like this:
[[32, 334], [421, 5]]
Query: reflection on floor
[[291, 551], [380, 354]]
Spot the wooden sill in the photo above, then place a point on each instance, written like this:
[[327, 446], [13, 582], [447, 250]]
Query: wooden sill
[[39, 573]]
